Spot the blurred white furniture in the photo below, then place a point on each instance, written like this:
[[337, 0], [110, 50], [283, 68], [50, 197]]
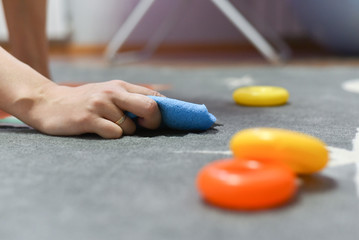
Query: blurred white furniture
[[272, 54]]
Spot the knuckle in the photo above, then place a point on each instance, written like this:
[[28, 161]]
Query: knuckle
[[157, 94], [96, 102], [151, 106], [119, 82]]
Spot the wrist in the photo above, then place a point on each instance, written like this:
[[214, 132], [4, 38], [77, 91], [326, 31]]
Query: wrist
[[21, 87], [28, 96]]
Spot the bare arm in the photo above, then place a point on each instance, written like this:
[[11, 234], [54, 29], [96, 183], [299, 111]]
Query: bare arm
[[26, 21], [60, 110]]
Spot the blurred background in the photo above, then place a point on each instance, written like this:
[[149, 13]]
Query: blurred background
[[315, 28]]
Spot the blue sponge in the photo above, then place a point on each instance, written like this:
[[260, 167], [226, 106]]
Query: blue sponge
[[182, 115]]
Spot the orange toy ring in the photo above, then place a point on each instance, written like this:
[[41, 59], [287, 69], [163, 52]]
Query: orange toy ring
[[246, 185]]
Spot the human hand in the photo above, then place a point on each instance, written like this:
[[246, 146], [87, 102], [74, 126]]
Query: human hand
[[91, 108]]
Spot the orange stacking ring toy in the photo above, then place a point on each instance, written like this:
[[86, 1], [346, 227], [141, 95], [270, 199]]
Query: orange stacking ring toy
[[246, 185]]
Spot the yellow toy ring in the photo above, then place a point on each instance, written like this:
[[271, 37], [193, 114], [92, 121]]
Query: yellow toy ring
[[261, 96]]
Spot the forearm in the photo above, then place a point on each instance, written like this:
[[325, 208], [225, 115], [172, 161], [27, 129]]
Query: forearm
[[26, 21], [20, 85]]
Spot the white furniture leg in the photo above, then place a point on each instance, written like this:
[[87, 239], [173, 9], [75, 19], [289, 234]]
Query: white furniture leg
[[126, 29], [166, 27], [248, 30], [172, 18], [155, 40]]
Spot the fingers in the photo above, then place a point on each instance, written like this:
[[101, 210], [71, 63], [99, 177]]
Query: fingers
[[127, 125], [112, 122], [107, 129], [132, 88], [115, 115], [142, 106]]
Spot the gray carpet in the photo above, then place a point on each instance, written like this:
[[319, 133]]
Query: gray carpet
[[142, 187]]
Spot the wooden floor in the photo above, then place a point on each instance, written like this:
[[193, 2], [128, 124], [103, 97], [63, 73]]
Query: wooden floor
[[211, 59], [304, 52]]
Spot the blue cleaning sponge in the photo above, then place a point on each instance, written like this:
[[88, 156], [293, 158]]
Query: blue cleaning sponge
[[182, 115]]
